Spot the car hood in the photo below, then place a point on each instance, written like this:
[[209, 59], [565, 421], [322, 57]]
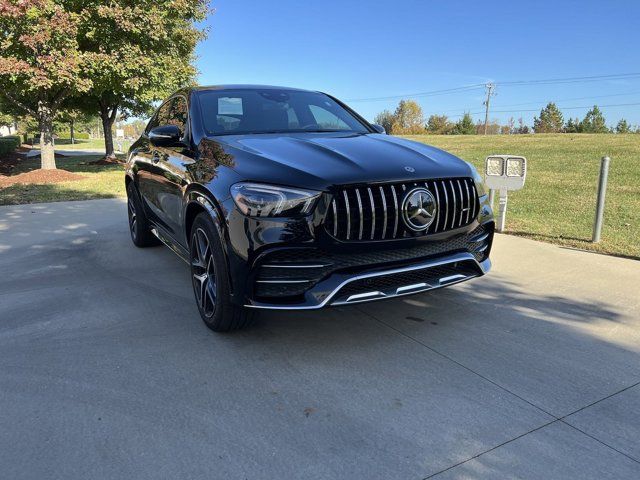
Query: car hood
[[320, 160]]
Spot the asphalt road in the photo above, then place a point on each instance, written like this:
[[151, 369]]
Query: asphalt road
[[106, 370]]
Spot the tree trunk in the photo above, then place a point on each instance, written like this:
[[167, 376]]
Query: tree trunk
[[108, 116], [73, 140], [47, 149]]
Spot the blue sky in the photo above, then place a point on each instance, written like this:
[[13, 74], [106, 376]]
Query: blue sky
[[364, 49]]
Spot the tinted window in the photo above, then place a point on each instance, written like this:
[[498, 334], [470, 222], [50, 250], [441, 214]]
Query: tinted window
[[173, 112], [327, 120], [230, 112], [177, 113]]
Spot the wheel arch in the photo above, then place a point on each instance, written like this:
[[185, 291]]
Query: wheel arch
[[196, 202]]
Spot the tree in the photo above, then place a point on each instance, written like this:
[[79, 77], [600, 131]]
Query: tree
[[623, 127], [464, 126], [40, 63], [522, 129], [550, 120], [439, 125], [572, 126], [408, 118], [137, 53], [492, 127], [594, 122], [385, 119]]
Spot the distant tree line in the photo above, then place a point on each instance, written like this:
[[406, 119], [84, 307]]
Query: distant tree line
[[408, 119]]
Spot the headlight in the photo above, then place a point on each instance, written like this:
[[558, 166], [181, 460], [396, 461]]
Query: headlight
[[259, 200], [478, 180]]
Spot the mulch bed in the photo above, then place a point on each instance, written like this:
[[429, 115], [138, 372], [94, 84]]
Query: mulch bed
[[39, 176], [9, 161], [107, 161]]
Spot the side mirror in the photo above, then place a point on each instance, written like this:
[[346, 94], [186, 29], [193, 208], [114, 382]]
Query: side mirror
[[165, 136], [379, 129]]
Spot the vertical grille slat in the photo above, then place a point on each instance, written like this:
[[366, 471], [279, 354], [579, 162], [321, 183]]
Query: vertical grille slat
[[373, 213], [384, 209], [361, 224], [446, 205], [474, 196], [358, 215], [334, 208], [466, 185], [455, 203], [397, 211], [461, 202], [435, 188], [346, 204]]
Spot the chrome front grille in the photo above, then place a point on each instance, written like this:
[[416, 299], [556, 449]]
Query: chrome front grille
[[374, 212]]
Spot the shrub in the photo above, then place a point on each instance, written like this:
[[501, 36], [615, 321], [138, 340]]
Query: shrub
[[9, 144]]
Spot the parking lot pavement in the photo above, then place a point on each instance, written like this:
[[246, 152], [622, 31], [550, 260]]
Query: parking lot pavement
[[106, 370]]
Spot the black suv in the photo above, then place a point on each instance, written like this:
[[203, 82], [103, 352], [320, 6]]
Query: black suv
[[281, 198]]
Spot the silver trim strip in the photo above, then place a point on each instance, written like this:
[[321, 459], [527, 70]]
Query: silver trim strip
[[159, 236], [411, 287], [283, 281], [451, 278], [362, 296], [479, 239], [271, 265], [458, 257], [482, 249]]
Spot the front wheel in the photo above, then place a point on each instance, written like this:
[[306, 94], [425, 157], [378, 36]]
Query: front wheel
[[210, 278], [138, 224]]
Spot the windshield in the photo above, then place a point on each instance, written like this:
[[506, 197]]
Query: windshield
[[243, 111]]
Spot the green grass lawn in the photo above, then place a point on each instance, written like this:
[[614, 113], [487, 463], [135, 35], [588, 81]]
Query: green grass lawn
[[558, 201], [102, 181], [91, 144], [556, 205]]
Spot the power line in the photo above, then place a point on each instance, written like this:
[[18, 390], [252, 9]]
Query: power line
[[561, 108], [476, 86], [420, 94], [537, 102]]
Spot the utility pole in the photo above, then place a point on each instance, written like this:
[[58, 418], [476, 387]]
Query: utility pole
[[490, 93]]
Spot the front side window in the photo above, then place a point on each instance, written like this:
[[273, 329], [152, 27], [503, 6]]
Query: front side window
[[237, 112], [177, 113], [172, 112]]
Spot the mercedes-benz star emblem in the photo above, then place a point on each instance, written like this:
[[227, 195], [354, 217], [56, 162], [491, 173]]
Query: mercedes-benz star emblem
[[419, 209]]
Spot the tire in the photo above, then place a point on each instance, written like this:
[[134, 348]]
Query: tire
[[138, 224], [210, 279]]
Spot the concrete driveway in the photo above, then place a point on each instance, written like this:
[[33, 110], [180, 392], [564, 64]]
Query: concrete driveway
[[106, 370]]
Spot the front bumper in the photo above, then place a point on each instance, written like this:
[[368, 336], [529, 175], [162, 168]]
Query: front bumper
[[295, 265], [385, 283]]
